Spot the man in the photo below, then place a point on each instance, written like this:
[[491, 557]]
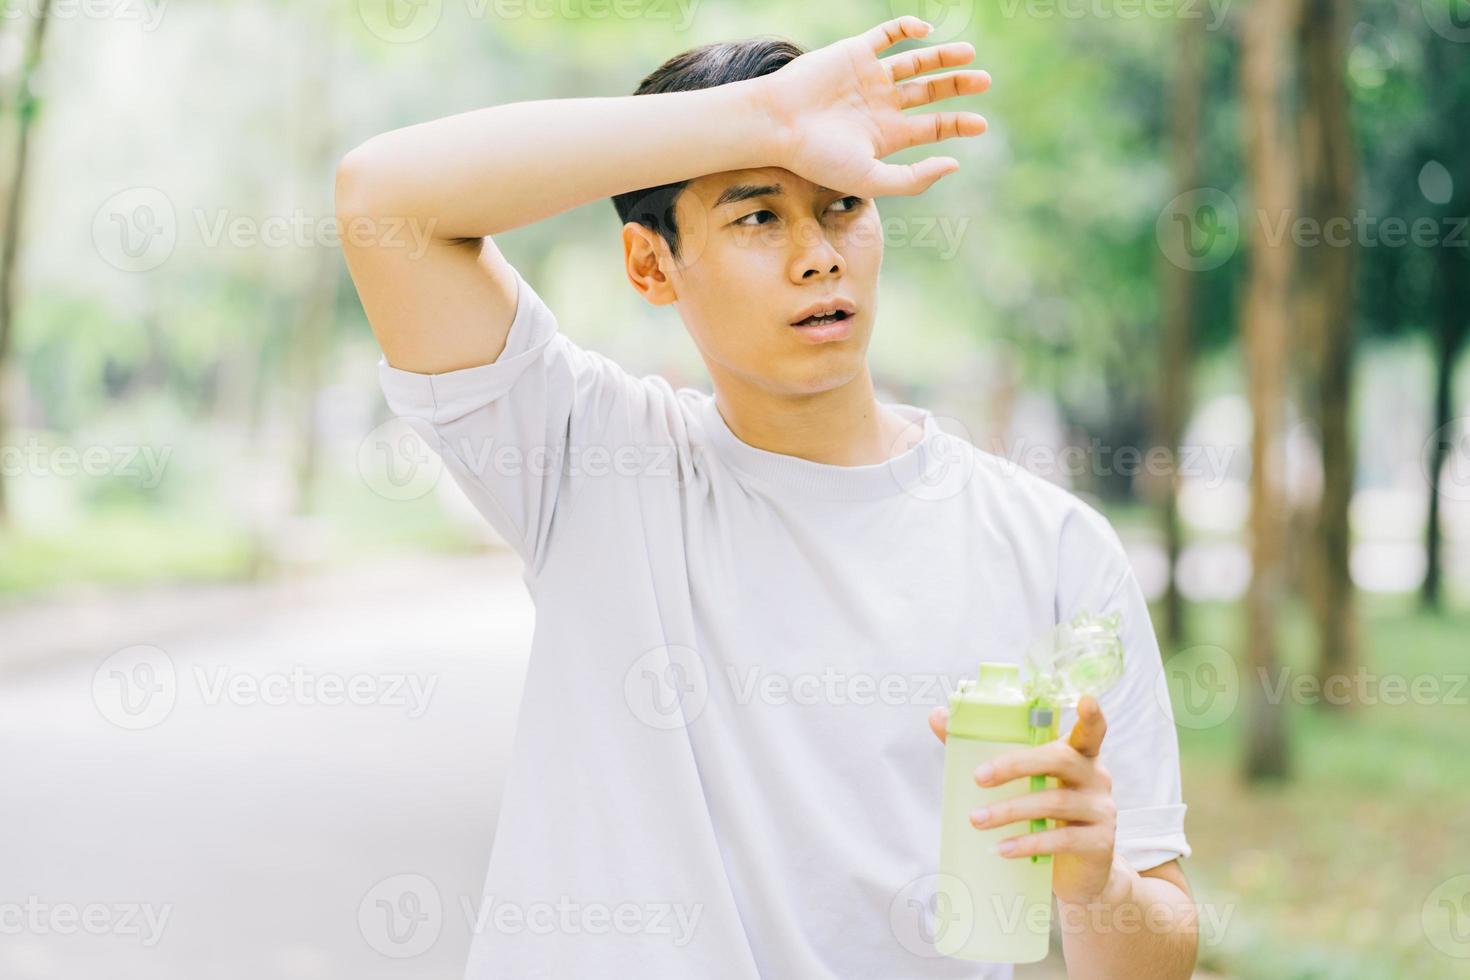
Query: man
[[747, 603]]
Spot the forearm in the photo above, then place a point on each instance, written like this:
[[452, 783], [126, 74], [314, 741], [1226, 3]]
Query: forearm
[[1143, 928], [489, 170]]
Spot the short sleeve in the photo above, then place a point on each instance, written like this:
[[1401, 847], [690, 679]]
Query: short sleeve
[[505, 429], [1141, 748]]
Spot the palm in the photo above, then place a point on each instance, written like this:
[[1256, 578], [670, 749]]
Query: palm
[[843, 107]]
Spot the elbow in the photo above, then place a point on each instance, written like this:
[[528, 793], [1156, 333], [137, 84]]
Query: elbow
[[360, 185]]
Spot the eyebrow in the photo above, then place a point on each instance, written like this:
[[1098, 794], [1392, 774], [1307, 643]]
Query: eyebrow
[[736, 193]]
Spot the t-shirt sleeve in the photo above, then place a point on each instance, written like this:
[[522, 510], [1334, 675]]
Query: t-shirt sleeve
[[504, 430], [1141, 747]]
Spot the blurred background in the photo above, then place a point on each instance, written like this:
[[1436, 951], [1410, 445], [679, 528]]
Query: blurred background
[[259, 664]]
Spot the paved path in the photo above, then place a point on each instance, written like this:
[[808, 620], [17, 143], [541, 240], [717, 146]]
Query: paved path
[[165, 816]]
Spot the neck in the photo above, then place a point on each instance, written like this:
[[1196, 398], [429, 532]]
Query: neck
[[843, 426]]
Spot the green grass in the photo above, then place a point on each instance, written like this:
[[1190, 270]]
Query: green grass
[[131, 543], [1327, 872]]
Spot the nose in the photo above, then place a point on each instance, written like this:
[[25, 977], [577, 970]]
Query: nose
[[815, 257]]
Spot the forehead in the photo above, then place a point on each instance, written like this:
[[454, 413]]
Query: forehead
[[734, 186]]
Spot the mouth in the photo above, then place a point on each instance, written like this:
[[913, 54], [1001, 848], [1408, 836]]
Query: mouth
[[825, 313], [816, 320]]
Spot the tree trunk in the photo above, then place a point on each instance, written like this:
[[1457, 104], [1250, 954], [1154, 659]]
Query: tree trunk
[[1264, 74], [1329, 176], [26, 106], [1448, 61], [1177, 301]]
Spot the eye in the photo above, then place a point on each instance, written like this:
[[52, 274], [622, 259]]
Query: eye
[[742, 220], [852, 201]]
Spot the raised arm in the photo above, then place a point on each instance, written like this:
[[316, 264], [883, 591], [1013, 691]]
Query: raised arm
[[418, 203]]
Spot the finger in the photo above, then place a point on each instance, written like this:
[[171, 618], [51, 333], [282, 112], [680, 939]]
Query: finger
[[1070, 805], [1060, 840], [939, 722], [903, 179], [1087, 734], [890, 32], [922, 91], [911, 63], [935, 126], [1052, 759]]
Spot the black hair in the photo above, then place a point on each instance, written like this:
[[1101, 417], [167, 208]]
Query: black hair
[[703, 67]]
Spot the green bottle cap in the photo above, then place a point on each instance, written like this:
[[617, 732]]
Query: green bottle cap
[[993, 706]]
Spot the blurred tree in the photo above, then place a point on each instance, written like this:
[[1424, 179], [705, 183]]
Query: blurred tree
[[26, 107], [1326, 309], [1265, 73], [1446, 147], [1178, 304]]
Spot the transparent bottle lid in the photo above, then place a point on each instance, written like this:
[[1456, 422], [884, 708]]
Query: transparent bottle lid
[[1081, 656]]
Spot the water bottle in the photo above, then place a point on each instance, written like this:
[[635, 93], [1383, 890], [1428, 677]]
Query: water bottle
[[989, 907]]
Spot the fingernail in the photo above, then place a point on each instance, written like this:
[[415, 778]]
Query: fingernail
[[983, 774], [1006, 847], [980, 816]]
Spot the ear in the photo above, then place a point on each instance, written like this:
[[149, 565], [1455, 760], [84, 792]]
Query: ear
[[646, 258]]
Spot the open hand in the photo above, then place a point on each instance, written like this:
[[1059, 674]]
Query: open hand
[[838, 110], [1082, 842]]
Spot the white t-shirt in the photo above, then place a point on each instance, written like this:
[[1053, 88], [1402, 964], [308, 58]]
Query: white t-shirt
[[723, 766]]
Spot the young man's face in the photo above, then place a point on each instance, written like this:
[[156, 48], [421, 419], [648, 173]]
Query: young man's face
[[759, 248]]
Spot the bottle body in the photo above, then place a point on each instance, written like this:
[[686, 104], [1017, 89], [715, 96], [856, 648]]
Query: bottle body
[[990, 908]]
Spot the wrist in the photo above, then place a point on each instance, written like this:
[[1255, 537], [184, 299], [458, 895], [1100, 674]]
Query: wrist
[[1116, 890], [766, 128]]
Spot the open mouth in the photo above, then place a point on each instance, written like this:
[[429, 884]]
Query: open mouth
[[813, 321]]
